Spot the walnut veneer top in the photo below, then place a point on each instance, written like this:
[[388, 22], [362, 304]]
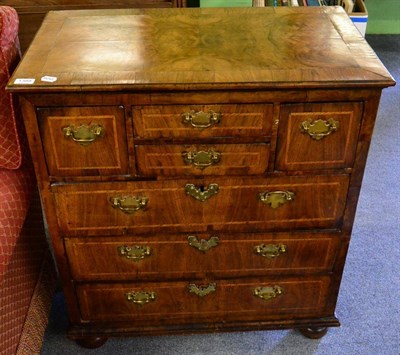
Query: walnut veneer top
[[199, 48]]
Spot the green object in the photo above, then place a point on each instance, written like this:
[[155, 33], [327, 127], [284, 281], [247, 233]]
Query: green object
[[226, 3], [383, 16]]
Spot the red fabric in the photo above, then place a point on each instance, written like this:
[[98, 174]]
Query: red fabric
[[17, 287], [12, 141], [22, 240], [16, 188]]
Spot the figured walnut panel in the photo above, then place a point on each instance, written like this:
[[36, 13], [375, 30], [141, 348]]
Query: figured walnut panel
[[172, 256], [106, 155], [319, 202], [234, 159], [189, 49], [232, 300], [297, 150], [235, 120]]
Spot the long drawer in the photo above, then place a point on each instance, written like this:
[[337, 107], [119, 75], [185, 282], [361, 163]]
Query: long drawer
[[214, 300], [240, 204], [197, 255]]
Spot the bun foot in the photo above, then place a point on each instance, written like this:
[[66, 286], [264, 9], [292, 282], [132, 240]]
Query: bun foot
[[91, 342], [314, 333]]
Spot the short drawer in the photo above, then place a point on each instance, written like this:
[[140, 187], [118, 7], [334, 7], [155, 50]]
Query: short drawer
[[200, 121], [192, 255], [318, 136], [84, 141], [215, 300], [207, 204], [216, 159]]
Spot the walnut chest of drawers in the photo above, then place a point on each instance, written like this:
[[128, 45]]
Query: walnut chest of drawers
[[199, 168]]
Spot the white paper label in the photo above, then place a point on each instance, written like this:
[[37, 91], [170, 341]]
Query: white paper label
[[49, 79], [24, 81]]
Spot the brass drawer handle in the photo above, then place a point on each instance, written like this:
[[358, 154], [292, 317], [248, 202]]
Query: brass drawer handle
[[275, 198], [270, 250], [200, 193], [320, 128], [134, 253], [141, 298], [129, 204], [203, 245], [84, 135], [202, 291], [267, 293], [201, 159], [201, 119]]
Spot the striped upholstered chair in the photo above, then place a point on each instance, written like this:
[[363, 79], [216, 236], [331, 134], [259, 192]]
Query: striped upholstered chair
[[26, 272]]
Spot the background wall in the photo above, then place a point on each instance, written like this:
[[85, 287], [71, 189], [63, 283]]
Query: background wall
[[383, 16]]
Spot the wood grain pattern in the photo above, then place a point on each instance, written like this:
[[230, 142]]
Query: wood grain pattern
[[297, 150], [156, 48], [32, 12], [319, 203], [232, 299], [173, 258], [166, 121], [234, 159], [107, 155]]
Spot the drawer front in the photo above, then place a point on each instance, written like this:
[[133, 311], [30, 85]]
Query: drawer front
[[172, 206], [318, 136], [192, 255], [216, 159], [217, 300], [84, 140], [200, 121]]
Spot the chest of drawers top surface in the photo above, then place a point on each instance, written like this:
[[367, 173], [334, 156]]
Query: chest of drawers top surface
[[219, 48]]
